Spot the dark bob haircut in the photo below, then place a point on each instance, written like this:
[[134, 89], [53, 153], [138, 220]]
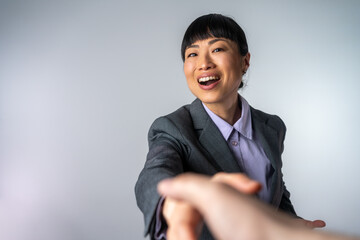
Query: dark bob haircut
[[214, 25]]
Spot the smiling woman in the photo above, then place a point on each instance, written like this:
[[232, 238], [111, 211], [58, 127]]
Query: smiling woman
[[218, 132]]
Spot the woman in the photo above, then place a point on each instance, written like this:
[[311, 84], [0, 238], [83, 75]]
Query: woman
[[218, 132]]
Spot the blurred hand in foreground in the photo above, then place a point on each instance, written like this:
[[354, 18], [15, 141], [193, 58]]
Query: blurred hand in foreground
[[231, 214], [185, 222]]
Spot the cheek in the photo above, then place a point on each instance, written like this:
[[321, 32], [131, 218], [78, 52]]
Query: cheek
[[227, 63], [235, 68], [188, 70]]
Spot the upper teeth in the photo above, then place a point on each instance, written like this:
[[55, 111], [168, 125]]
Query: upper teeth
[[204, 79]]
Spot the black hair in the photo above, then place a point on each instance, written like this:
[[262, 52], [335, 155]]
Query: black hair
[[214, 25]]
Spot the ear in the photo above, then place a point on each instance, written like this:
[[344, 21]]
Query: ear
[[246, 62]]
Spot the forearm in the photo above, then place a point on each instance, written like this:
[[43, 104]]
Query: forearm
[[283, 227], [308, 234]]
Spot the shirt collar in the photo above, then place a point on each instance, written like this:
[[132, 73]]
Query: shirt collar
[[243, 125]]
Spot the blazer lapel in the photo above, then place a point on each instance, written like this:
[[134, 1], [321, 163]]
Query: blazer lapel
[[212, 140], [268, 138]]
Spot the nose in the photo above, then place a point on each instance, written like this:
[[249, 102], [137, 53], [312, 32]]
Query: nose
[[205, 62]]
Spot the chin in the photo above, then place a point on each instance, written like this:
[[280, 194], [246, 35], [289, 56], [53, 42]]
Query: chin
[[209, 100]]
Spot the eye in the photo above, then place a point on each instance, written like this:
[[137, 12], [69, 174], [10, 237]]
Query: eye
[[192, 55], [218, 50]]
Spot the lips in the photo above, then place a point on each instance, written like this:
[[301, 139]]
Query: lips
[[208, 81]]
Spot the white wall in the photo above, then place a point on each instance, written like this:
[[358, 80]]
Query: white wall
[[81, 82]]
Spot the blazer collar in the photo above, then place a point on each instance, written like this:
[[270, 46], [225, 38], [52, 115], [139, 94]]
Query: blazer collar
[[214, 143], [212, 140], [268, 138], [266, 135]]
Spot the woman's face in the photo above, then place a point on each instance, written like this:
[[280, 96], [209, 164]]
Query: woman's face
[[213, 69]]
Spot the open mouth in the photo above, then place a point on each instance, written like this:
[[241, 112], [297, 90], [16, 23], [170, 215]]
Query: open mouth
[[206, 81]]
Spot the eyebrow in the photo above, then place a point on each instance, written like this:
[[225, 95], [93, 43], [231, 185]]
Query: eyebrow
[[216, 40], [209, 43]]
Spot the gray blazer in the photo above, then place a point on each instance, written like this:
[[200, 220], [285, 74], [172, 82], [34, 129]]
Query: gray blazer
[[188, 140]]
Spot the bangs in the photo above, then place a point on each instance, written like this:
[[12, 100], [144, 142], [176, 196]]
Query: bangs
[[214, 25]]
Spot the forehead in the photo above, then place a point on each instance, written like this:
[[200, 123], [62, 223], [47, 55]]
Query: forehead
[[210, 41]]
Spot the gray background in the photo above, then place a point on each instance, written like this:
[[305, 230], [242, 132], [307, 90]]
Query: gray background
[[81, 82]]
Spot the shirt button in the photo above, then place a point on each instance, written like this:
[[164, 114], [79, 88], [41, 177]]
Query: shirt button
[[234, 143]]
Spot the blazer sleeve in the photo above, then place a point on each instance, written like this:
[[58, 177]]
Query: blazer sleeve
[[285, 203], [164, 160]]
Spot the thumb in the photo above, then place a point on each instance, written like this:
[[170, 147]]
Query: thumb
[[239, 181], [188, 187]]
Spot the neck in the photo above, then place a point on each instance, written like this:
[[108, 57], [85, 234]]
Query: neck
[[230, 112]]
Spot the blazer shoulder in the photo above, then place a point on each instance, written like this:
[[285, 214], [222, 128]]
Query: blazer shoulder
[[177, 124], [274, 121]]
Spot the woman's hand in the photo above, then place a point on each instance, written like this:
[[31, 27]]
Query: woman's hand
[[184, 221], [310, 224]]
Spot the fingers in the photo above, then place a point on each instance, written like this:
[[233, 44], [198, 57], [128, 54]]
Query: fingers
[[311, 224], [316, 224], [180, 212], [238, 181], [180, 232], [184, 221]]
